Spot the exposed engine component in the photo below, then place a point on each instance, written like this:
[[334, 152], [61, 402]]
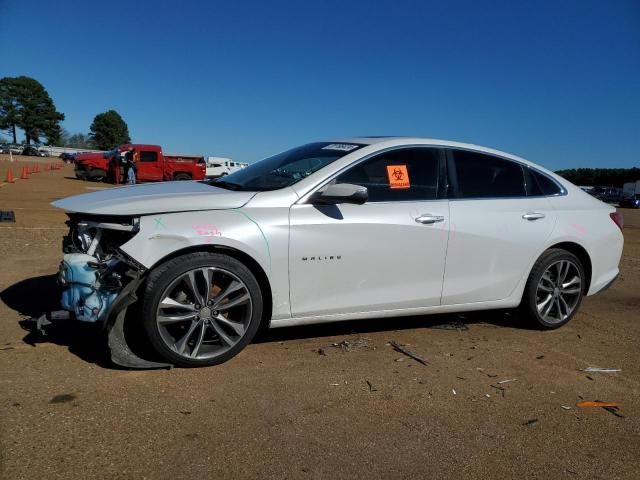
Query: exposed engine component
[[93, 271]]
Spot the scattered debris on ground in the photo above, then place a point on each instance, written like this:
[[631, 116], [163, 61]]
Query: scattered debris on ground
[[530, 422], [348, 345], [371, 387], [611, 407], [499, 388], [63, 398], [596, 404], [614, 411], [453, 325], [601, 370], [401, 349]]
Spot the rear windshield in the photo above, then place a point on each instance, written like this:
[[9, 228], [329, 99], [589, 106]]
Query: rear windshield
[[286, 168]]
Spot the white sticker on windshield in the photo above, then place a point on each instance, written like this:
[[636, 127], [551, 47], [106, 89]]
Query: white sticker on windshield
[[343, 147]]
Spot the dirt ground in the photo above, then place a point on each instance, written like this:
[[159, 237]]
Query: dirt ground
[[293, 405]]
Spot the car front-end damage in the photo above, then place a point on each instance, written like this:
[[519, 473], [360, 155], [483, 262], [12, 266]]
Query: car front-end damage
[[94, 272], [99, 281]]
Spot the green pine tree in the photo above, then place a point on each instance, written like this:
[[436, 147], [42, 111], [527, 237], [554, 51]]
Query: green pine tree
[[109, 130], [26, 104]]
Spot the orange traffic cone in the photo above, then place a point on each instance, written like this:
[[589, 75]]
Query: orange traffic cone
[[9, 178], [25, 173], [37, 168], [47, 167]]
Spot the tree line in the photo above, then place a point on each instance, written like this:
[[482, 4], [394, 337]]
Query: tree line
[[609, 177], [26, 105]]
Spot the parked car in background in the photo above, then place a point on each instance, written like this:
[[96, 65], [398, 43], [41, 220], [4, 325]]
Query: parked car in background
[[219, 166], [631, 201], [607, 194], [12, 147], [35, 151], [154, 165], [630, 189], [68, 157], [360, 228]]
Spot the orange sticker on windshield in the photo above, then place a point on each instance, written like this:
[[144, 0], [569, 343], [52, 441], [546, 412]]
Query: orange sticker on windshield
[[398, 176]]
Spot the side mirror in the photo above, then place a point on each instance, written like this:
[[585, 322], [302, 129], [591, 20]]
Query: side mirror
[[341, 193]]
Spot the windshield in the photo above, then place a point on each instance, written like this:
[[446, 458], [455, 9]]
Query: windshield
[[286, 168]]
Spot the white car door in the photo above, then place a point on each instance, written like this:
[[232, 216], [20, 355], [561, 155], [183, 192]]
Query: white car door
[[386, 254], [496, 228]]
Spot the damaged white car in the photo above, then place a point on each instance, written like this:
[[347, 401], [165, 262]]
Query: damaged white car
[[352, 229]]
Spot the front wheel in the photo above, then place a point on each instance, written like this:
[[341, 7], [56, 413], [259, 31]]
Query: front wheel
[[554, 289], [201, 309]]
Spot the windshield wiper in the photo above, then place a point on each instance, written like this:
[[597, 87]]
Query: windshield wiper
[[227, 185]]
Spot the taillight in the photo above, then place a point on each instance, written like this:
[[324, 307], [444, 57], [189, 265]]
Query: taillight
[[617, 219]]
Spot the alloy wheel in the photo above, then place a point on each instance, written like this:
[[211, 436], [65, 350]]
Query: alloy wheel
[[559, 291], [204, 312]]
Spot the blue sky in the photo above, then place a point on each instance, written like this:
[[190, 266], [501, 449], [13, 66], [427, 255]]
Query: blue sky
[[557, 82]]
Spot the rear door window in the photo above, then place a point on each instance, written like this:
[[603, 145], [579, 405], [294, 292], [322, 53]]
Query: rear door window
[[484, 176], [407, 174]]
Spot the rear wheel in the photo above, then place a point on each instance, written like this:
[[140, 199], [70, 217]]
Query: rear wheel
[[182, 176], [201, 309], [554, 289]]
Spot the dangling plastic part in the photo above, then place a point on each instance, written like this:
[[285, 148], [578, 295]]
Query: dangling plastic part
[[121, 353]]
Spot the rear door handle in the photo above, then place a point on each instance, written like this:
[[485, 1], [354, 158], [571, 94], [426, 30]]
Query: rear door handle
[[533, 216], [428, 219]]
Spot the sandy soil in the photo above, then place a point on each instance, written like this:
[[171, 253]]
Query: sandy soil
[[281, 409]]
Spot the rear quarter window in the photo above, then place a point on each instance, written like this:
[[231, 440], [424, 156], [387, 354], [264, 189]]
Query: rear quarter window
[[541, 185]]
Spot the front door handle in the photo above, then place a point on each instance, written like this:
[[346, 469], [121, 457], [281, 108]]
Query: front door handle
[[428, 219], [533, 216]]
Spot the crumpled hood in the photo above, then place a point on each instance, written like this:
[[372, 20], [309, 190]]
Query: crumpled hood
[[151, 198]]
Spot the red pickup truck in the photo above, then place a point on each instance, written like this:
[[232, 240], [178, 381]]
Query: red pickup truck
[[153, 166]]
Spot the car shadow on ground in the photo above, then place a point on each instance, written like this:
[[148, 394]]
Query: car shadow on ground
[[36, 296]]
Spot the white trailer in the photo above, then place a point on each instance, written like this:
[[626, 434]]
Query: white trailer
[[219, 166]]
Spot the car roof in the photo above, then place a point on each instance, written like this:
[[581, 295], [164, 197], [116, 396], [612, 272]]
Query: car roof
[[395, 141]]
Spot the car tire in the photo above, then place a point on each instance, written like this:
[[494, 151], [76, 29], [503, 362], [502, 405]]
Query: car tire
[[554, 289], [182, 176], [185, 322]]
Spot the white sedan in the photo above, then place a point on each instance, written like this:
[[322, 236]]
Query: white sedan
[[359, 228]]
